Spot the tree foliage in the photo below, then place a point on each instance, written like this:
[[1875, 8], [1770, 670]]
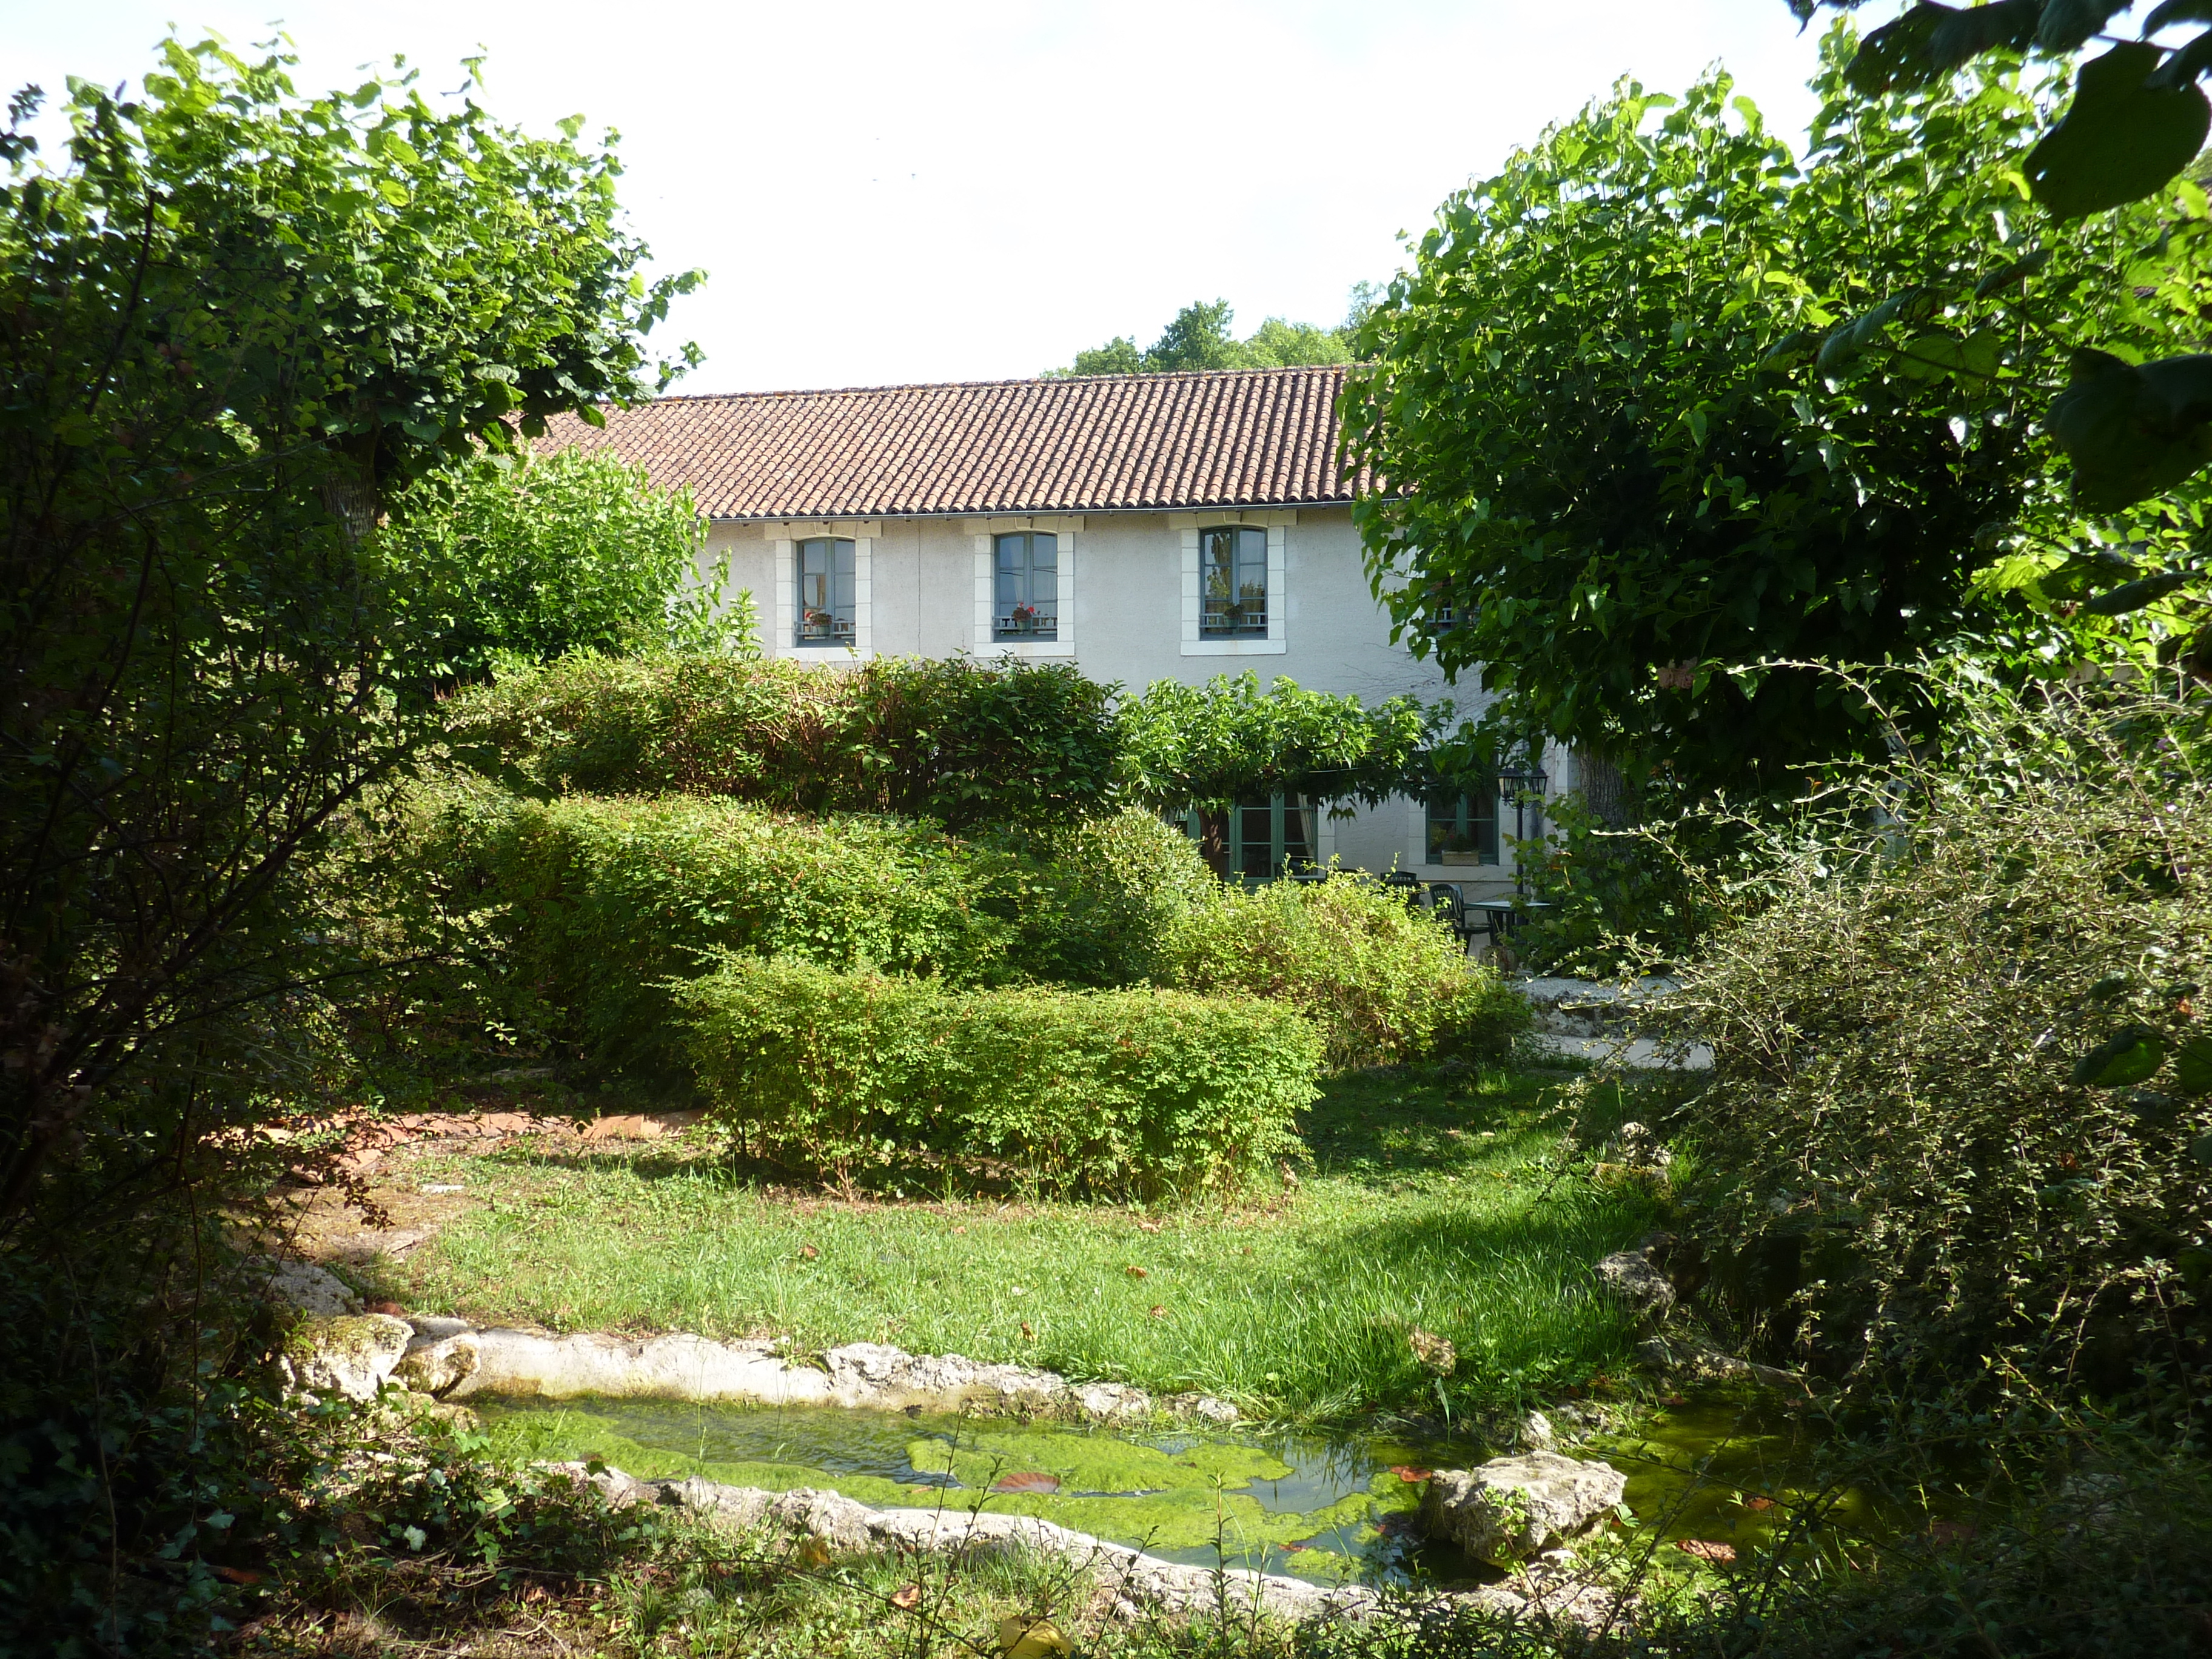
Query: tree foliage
[[1659, 405], [501, 558], [231, 318], [2137, 119], [1199, 339]]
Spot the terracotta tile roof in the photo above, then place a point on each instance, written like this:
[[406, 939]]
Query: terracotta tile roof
[[1249, 437]]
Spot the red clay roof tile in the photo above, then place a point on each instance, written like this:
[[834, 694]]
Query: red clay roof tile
[[1242, 438]]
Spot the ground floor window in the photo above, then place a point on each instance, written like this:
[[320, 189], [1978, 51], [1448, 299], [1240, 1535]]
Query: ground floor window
[[1463, 828], [1256, 839]]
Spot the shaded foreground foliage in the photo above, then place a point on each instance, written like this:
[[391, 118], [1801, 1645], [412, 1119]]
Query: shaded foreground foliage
[[1958, 1132], [236, 318], [233, 321]]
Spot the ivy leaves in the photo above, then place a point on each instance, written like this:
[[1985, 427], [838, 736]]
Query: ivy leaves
[[1225, 741]]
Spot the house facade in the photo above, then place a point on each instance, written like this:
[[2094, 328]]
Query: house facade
[[1141, 527]]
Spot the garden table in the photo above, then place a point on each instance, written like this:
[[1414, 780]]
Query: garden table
[[1500, 917]]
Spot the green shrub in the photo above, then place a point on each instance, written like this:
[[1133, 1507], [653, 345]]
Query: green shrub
[[1958, 1131], [1382, 981], [581, 909], [1115, 888], [491, 560], [564, 918], [1621, 899], [1113, 1093], [953, 740]]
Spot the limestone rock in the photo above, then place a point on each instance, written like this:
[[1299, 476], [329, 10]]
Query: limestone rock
[[352, 1355], [1694, 1363], [439, 1365], [1206, 1408], [1514, 1508], [1129, 1581], [877, 1374], [311, 1290], [679, 1366], [869, 1375], [1633, 1278]]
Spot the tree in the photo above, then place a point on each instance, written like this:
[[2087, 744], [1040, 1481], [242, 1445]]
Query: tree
[[1199, 339], [1659, 405], [537, 557], [2133, 428], [233, 321]]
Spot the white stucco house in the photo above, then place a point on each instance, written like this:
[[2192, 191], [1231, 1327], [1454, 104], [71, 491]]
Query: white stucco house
[[1141, 527]]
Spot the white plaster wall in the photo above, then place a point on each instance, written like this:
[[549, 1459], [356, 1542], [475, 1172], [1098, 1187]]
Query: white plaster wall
[[1127, 613], [751, 565]]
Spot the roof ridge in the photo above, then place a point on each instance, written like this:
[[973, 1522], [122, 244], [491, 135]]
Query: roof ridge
[[980, 386]]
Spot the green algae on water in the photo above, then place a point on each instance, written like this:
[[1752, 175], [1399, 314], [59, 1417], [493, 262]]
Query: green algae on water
[[1313, 1507]]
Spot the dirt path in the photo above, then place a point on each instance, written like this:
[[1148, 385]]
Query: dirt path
[[370, 1206]]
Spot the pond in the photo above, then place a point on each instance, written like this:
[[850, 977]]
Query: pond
[[1327, 1507]]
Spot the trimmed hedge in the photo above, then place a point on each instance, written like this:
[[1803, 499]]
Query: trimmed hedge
[[571, 915], [961, 742], [585, 909], [1383, 982], [1112, 1093], [1113, 891]]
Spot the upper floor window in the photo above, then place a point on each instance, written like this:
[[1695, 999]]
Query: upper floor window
[[1463, 828], [825, 591], [1232, 573], [1025, 578]]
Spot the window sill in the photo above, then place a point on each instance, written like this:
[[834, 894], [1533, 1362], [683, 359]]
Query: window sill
[[1248, 648], [1029, 649]]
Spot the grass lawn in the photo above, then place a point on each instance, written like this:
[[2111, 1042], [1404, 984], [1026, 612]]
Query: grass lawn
[[1436, 1203]]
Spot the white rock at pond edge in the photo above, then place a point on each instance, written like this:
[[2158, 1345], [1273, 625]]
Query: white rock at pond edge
[[1123, 1576], [872, 1376], [1514, 1508], [352, 1355], [439, 1365], [311, 1288]]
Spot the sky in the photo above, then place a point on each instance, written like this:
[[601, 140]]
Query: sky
[[975, 190]]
